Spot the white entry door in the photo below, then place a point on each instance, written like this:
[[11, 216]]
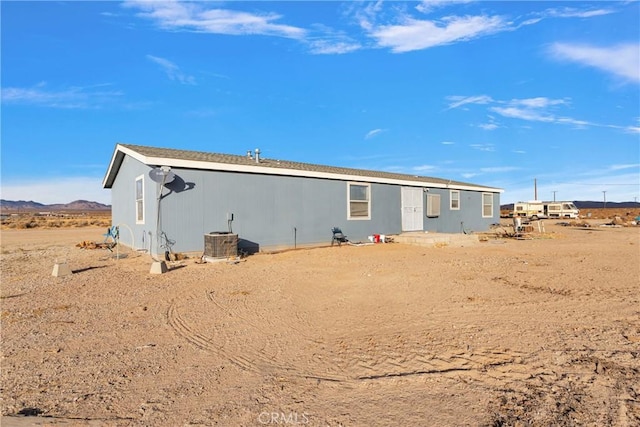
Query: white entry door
[[411, 209]]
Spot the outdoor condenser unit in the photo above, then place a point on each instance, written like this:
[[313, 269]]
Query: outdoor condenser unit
[[220, 245]]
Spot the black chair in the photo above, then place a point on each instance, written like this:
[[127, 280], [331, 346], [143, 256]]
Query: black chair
[[338, 236]]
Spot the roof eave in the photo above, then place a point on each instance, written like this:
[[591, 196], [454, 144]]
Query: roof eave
[[121, 151]]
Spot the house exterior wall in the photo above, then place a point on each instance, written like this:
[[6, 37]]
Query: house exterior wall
[[269, 211], [469, 216], [123, 204]]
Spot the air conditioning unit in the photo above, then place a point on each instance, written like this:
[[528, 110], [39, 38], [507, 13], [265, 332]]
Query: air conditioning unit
[[220, 245]]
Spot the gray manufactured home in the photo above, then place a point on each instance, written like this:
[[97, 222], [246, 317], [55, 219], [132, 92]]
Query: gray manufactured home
[[166, 197]]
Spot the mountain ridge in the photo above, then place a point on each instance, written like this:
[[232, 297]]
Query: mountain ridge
[[76, 205]]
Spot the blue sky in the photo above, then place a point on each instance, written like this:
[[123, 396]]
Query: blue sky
[[493, 93]]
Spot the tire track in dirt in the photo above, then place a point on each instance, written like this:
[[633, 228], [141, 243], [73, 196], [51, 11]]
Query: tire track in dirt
[[202, 341], [341, 360]]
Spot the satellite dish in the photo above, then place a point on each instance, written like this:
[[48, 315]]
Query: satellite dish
[[162, 175]]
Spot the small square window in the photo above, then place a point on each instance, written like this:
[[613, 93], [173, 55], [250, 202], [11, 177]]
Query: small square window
[[433, 205]]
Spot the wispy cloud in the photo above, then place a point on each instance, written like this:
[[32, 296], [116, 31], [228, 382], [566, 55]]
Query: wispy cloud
[[623, 167], [572, 12], [404, 30], [427, 6], [483, 147], [622, 60], [456, 101], [414, 34], [74, 97], [529, 114], [538, 109], [447, 143], [172, 70], [331, 46], [488, 126], [373, 133], [202, 18]]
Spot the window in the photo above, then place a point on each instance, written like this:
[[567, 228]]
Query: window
[[359, 201], [433, 205], [140, 199], [487, 205], [454, 200]]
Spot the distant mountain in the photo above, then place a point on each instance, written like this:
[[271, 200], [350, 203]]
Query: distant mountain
[[590, 205], [600, 204], [78, 205]]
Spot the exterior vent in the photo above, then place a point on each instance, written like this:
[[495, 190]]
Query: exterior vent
[[220, 245]]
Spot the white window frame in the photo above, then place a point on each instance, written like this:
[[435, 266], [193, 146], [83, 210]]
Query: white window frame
[[490, 195], [139, 201], [368, 201], [433, 205], [451, 200]]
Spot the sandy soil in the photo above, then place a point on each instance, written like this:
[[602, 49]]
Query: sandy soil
[[535, 332]]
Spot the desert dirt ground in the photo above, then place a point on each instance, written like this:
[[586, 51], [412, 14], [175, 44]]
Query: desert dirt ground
[[536, 332]]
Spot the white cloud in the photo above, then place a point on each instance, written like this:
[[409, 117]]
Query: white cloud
[[539, 102], [413, 34], [74, 97], [570, 12], [622, 60], [199, 17], [427, 6], [373, 133], [172, 70], [456, 101], [522, 113], [538, 109], [483, 147], [488, 126], [628, 166], [447, 143], [57, 190], [331, 47]]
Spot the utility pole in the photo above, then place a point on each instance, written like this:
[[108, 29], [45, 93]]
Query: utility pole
[[554, 195], [535, 188], [604, 193]]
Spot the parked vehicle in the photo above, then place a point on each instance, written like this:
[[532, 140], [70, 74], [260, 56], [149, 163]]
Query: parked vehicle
[[537, 209]]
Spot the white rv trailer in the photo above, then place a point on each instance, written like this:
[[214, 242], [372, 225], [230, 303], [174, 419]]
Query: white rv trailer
[[537, 209]]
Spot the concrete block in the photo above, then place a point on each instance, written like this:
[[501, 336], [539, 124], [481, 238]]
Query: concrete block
[[158, 267], [61, 269]]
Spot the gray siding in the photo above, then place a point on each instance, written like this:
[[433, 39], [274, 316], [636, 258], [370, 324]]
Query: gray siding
[[269, 211], [468, 216], [123, 202]]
